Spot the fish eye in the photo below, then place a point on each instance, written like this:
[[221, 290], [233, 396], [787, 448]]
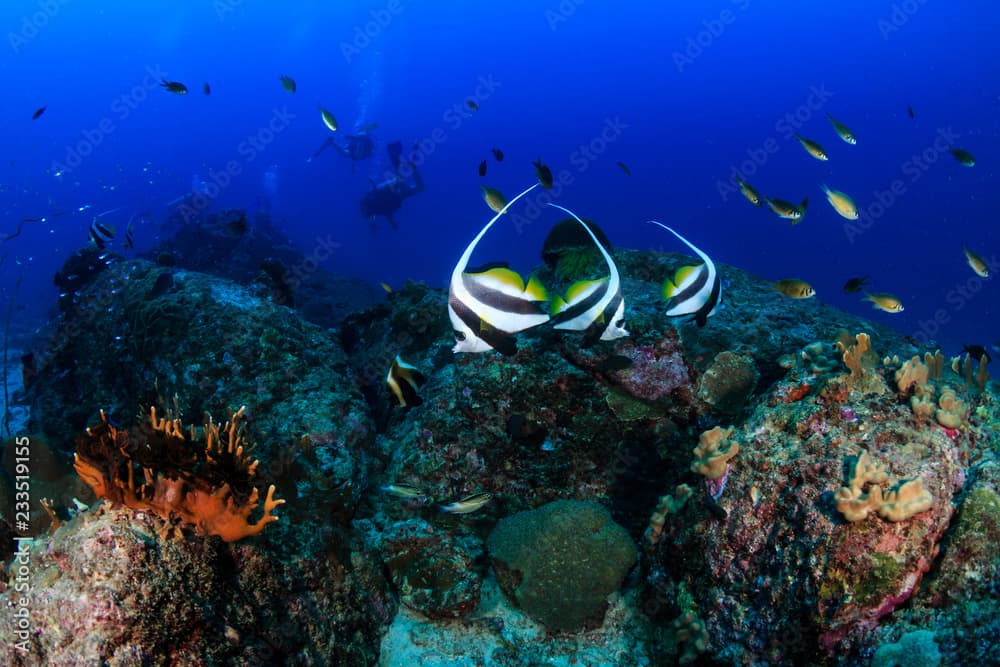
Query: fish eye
[[459, 336]]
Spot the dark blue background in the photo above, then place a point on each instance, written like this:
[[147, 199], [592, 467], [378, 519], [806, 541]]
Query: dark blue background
[[699, 91]]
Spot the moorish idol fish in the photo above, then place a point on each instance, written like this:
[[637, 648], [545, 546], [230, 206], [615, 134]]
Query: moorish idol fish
[[593, 306], [695, 291], [486, 308], [403, 381]]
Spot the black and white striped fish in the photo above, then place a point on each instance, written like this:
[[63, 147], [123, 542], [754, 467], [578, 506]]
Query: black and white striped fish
[[486, 308], [593, 306], [403, 380], [696, 291], [100, 233]]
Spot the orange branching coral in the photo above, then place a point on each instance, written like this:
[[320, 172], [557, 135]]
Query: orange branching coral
[[160, 468]]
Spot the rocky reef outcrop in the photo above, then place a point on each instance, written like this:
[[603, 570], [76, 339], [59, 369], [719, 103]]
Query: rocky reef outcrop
[[840, 496]]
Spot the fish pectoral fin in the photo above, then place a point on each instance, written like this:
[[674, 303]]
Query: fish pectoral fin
[[669, 289]]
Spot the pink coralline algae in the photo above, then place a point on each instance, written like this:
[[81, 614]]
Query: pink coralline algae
[[657, 372]]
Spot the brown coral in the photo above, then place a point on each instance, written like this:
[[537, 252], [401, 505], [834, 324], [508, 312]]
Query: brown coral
[[912, 376], [901, 501], [713, 452], [860, 361], [209, 487]]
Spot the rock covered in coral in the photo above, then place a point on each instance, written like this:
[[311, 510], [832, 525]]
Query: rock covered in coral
[[107, 588], [782, 556], [727, 383], [560, 562], [434, 572], [159, 468], [215, 345]]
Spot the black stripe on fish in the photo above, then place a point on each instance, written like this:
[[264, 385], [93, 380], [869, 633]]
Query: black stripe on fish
[[501, 341], [701, 317], [689, 292], [403, 380], [583, 305], [500, 300], [601, 324]]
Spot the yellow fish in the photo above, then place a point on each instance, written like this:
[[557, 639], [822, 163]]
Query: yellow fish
[[795, 288], [494, 199], [747, 191], [842, 130], [841, 203], [883, 301], [812, 148], [328, 119], [977, 263], [788, 210]]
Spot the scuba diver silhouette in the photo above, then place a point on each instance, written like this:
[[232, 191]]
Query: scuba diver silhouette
[[358, 147], [386, 197]]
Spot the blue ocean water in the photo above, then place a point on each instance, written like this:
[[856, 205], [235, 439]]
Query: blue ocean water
[[687, 95]]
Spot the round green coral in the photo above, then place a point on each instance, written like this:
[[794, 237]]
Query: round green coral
[[560, 562]]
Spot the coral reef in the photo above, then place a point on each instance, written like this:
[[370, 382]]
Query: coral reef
[[713, 452], [727, 383], [433, 572], [209, 486], [560, 562], [767, 573]]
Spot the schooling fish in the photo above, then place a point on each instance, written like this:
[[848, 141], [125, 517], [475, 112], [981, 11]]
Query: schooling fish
[[482, 168], [288, 83], [494, 199], [593, 306], [909, 111], [403, 381], [788, 210], [468, 504], [543, 173], [747, 191], [841, 203], [813, 148], [38, 113], [624, 168], [471, 103], [854, 285], [328, 119], [695, 291], [498, 154], [205, 88], [883, 301], [977, 352], [175, 87], [842, 130], [965, 158], [487, 308], [794, 288], [976, 263]]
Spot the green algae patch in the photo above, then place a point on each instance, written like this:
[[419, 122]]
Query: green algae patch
[[560, 562]]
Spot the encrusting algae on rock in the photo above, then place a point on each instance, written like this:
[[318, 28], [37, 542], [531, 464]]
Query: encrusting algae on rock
[[210, 487]]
